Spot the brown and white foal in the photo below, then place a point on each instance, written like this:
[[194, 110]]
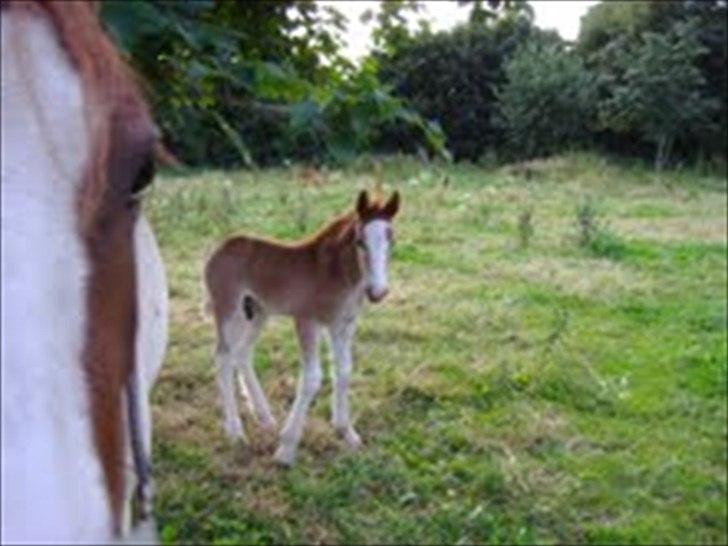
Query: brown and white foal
[[84, 296], [321, 282]]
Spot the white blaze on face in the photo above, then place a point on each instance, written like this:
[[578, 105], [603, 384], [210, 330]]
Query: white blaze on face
[[52, 483], [376, 235]]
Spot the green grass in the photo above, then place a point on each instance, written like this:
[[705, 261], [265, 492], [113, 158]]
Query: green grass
[[505, 394]]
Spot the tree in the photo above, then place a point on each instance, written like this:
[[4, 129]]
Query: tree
[[662, 94], [206, 63], [391, 31], [450, 77], [609, 29], [547, 101], [231, 82]]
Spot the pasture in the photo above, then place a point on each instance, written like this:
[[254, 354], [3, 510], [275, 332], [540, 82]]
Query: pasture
[[516, 386]]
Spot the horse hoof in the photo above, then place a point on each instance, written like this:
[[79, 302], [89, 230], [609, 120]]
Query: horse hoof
[[284, 457], [353, 440], [350, 437], [235, 433], [269, 426]]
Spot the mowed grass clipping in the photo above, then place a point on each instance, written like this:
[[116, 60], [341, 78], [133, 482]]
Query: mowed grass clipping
[[511, 389]]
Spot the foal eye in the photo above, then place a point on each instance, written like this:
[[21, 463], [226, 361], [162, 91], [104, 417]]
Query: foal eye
[[144, 177]]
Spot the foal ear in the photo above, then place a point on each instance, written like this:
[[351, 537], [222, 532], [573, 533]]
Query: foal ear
[[392, 206], [362, 203]]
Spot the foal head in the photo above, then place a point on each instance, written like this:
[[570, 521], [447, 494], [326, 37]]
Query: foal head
[[375, 237], [77, 143]]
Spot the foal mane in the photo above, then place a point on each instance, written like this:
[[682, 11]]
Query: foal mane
[[333, 230], [340, 225], [329, 232]]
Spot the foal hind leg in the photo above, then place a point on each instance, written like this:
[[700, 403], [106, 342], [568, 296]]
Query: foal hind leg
[[308, 385], [229, 335], [247, 378]]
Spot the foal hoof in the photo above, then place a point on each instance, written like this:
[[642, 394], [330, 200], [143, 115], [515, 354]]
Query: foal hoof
[[351, 438], [269, 426], [284, 457], [235, 433]]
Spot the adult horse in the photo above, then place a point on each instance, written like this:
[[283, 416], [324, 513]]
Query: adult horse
[[84, 296]]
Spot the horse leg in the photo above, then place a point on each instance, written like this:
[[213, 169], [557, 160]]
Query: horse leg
[[308, 385], [341, 335], [247, 378], [229, 336]]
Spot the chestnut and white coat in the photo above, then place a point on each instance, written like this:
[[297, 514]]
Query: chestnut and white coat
[[321, 282], [84, 295]]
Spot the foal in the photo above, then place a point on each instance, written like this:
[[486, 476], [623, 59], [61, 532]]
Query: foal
[[321, 282]]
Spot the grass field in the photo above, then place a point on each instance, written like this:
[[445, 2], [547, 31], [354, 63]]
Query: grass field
[[515, 387]]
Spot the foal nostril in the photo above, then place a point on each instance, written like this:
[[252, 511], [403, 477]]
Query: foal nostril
[[376, 296]]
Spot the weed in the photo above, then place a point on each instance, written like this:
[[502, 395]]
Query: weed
[[525, 227], [593, 232]]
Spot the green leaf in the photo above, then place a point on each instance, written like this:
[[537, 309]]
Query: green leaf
[[129, 22]]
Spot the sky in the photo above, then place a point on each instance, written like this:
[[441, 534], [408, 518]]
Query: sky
[[562, 16]]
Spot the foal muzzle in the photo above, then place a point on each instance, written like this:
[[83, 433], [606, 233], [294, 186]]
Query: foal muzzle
[[375, 296]]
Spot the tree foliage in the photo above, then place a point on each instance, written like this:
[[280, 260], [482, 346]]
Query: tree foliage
[[264, 83], [450, 77], [391, 31], [229, 81], [662, 92], [613, 40], [547, 102]]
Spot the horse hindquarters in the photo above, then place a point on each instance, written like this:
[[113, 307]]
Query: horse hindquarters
[[239, 319]]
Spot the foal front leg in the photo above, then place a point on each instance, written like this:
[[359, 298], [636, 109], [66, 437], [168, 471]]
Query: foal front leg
[[342, 335], [308, 385]]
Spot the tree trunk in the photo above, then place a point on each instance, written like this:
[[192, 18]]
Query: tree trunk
[[659, 157], [667, 152]]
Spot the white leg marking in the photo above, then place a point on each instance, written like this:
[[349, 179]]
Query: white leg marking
[[231, 331], [341, 336], [248, 380], [308, 385], [232, 424]]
